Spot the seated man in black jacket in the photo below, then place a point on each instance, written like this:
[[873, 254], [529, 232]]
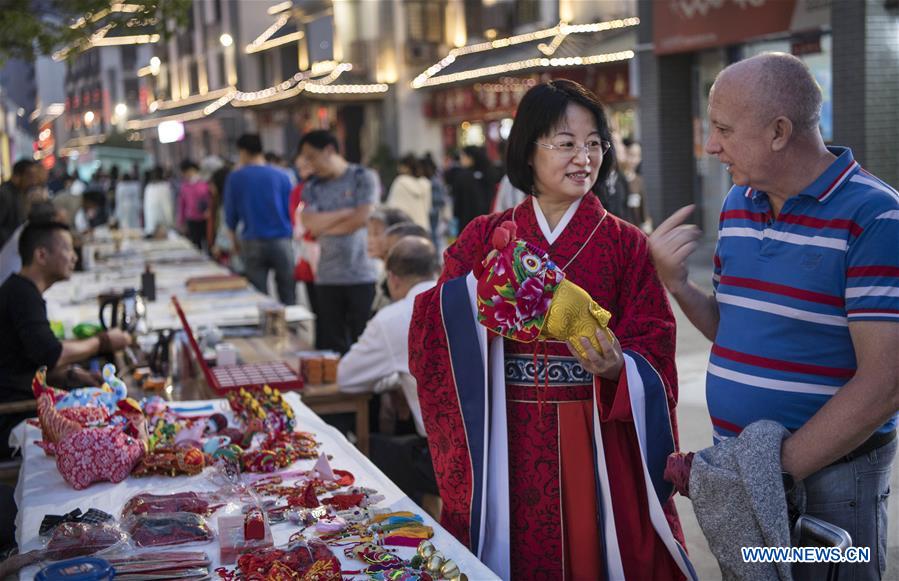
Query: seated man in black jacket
[[26, 340]]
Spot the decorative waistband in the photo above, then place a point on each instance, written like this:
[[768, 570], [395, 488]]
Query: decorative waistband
[[555, 370]]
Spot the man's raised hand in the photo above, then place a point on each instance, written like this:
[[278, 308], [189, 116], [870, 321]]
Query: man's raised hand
[[670, 244]]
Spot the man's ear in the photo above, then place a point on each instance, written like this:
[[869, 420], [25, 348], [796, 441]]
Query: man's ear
[[782, 133], [40, 255]]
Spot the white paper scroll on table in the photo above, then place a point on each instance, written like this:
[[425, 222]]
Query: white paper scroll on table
[[41, 490]]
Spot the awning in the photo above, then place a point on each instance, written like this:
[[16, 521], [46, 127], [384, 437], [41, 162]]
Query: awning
[[564, 46], [194, 109], [337, 83]]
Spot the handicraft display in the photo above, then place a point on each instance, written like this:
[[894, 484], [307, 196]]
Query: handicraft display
[[103, 435]]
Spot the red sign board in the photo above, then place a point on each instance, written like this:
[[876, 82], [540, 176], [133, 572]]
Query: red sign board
[[498, 98], [690, 25]]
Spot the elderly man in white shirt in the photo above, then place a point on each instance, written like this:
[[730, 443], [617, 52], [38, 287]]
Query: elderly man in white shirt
[[379, 361]]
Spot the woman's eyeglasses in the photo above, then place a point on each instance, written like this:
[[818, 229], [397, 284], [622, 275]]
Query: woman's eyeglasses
[[592, 147]]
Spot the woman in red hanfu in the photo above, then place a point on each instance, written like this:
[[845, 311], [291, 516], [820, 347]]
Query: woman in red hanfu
[[549, 463]]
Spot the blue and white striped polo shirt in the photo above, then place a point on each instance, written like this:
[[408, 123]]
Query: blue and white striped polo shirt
[[787, 289]]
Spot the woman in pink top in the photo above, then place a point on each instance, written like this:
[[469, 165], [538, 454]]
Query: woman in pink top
[[193, 203]]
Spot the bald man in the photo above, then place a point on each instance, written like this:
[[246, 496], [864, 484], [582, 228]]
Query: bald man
[[805, 313]]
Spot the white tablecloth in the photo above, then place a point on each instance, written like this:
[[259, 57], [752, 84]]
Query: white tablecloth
[[75, 300], [41, 490]]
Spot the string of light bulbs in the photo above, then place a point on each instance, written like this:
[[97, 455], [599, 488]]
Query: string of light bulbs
[[559, 32]]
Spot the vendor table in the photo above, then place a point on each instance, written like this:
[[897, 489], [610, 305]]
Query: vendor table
[[174, 261], [41, 490]]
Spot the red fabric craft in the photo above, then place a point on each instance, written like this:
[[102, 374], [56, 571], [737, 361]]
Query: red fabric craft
[[85, 415], [306, 499], [614, 267], [516, 287], [344, 501], [345, 478], [54, 425], [97, 454], [293, 562]]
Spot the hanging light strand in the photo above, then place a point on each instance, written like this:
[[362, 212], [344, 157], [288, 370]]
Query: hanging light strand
[[527, 64], [260, 40], [559, 32]]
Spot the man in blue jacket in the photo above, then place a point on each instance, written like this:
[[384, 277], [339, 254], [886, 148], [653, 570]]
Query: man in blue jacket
[[256, 197]]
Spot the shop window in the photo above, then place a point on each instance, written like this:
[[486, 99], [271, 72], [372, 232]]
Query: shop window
[[498, 19], [425, 21], [474, 18], [113, 87], [194, 69], [527, 12], [207, 142], [210, 12], [223, 70], [320, 39], [289, 62], [264, 69], [132, 90], [129, 57]]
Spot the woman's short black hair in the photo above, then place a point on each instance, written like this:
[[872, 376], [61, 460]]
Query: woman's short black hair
[[541, 110]]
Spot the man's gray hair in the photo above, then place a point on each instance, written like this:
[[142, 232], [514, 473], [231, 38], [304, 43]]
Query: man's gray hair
[[412, 256], [784, 86]]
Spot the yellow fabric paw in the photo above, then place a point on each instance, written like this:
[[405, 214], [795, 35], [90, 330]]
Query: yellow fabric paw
[[574, 314]]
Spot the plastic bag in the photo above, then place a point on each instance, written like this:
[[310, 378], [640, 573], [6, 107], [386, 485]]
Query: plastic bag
[[194, 502], [158, 530], [76, 539]]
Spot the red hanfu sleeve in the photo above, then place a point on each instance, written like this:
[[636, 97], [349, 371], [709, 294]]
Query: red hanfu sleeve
[[429, 363]]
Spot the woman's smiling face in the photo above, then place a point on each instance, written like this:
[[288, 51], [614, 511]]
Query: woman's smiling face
[[567, 175]]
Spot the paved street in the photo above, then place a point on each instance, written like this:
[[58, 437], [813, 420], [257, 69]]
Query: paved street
[[696, 429]]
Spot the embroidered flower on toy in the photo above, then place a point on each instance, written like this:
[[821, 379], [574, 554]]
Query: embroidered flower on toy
[[516, 287]]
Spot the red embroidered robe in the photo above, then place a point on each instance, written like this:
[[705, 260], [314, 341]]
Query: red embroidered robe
[[553, 530]]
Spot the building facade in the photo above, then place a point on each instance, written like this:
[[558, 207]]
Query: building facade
[[500, 49], [388, 77], [273, 68], [18, 99]]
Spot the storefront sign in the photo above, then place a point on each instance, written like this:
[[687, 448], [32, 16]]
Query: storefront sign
[[488, 100], [500, 97], [690, 25]]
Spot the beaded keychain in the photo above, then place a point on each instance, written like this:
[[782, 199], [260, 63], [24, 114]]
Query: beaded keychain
[[279, 451]]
